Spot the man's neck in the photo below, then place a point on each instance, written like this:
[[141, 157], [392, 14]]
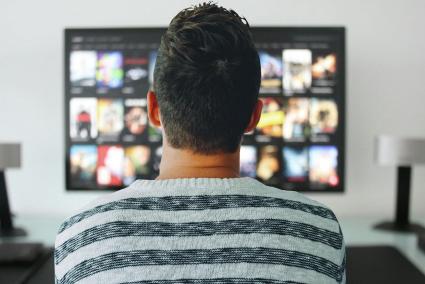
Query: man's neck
[[178, 163]]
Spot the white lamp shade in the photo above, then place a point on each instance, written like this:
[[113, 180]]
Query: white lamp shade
[[10, 155], [396, 151]]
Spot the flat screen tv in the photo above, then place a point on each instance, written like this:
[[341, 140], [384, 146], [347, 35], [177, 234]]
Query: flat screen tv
[[298, 144]]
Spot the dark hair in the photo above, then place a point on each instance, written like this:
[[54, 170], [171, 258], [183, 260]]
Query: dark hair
[[207, 77]]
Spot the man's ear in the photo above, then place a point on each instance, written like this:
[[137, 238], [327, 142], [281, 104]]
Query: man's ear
[[153, 109], [255, 116]]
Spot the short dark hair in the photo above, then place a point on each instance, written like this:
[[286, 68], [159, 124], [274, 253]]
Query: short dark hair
[[206, 79]]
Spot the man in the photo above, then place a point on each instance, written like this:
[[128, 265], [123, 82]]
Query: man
[[199, 222]]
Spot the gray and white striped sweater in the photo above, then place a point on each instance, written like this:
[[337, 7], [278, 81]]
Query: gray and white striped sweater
[[209, 231]]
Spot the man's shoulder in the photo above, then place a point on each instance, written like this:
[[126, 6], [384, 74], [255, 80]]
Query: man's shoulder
[[251, 194], [94, 213], [295, 200]]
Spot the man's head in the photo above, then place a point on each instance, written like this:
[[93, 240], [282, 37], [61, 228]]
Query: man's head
[[206, 80]]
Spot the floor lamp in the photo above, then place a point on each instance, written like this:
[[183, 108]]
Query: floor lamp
[[402, 153], [10, 157]]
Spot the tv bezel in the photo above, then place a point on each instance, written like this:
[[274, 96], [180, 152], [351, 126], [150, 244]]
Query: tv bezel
[[338, 31]]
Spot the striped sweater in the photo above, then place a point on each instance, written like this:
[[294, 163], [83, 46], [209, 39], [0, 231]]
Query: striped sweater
[[209, 231]]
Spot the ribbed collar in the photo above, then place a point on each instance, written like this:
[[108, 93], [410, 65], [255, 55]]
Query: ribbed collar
[[199, 183]]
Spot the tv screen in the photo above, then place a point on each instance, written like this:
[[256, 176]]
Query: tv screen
[[297, 145]]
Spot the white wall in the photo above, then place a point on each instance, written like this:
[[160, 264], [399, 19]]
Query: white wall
[[386, 72]]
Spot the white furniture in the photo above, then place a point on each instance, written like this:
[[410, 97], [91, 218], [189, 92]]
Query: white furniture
[[402, 153]]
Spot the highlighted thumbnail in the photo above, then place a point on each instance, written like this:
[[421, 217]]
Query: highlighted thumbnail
[[271, 72], [83, 118], [296, 70], [83, 160], [296, 123], [323, 116], [248, 161], [136, 163], [110, 116], [323, 165], [295, 164], [83, 68], [110, 165], [272, 117], [136, 117], [110, 72]]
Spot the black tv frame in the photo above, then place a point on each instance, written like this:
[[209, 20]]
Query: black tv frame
[[336, 31]]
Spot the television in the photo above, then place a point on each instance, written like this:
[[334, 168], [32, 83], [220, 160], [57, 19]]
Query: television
[[298, 144]]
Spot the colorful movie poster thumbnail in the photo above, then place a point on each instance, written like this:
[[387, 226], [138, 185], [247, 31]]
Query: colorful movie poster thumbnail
[[272, 117], [152, 61], [323, 116], [248, 161], [296, 123], [110, 165], [110, 116], [109, 69], [323, 168], [135, 119], [324, 67], [271, 72], [83, 68], [136, 164], [295, 164], [136, 69], [268, 166], [83, 160], [296, 70], [82, 115]]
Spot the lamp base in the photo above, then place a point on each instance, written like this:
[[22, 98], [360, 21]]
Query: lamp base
[[14, 232], [394, 227]]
